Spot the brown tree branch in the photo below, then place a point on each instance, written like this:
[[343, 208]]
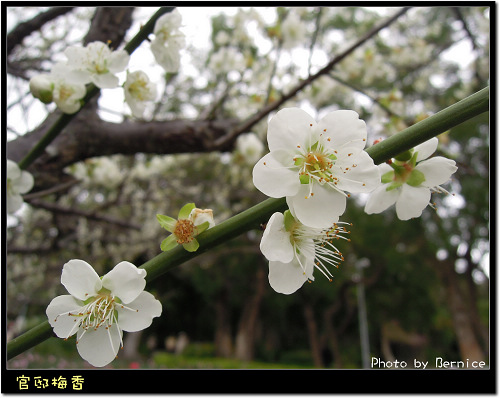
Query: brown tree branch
[[82, 213], [257, 117], [24, 29]]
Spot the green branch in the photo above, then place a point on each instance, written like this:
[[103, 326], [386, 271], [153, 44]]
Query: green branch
[[432, 126], [92, 90], [260, 213]]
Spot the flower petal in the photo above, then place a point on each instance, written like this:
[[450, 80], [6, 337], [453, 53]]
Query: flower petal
[[318, 211], [412, 201], [344, 129], [118, 61], [290, 127], [99, 346], [147, 308], [426, 149], [381, 199], [13, 170], [358, 175], [272, 178], [105, 80], [125, 281], [14, 202], [25, 183], [287, 278], [275, 244], [437, 170], [80, 279], [64, 325]]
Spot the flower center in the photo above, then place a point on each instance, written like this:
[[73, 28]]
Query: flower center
[[99, 311], [325, 252], [138, 89], [315, 165], [184, 231]]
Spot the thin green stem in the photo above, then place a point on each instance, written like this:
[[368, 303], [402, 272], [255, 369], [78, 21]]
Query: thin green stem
[[260, 213], [432, 126], [92, 90]]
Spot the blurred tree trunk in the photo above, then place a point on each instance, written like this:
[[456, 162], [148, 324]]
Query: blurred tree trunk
[[331, 335], [463, 324], [245, 338], [223, 339], [312, 328], [480, 329]]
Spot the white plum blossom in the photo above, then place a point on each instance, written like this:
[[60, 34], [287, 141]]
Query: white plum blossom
[[312, 164], [56, 87], [408, 183], [139, 90], [250, 146], [18, 182], [41, 87], [98, 309], [168, 41], [95, 63], [293, 30], [227, 59], [294, 250]]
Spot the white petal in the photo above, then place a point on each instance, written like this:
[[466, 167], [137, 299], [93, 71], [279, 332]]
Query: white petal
[[106, 80], [13, 170], [275, 244], [412, 201], [148, 308], [318, 211], [287, 278], [77, 55], [290, 127], [381, 199], [360, 174], [437, 170], [125, 281], [64, 325], [14, 202], [274, 179], [118, 61], [344, 129], [426, 149], [99, 346], [80, 279]]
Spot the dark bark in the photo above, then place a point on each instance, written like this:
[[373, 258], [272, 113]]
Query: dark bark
[[312, 328], [463, 324], [247, 329], [88, 136], [24, 29]]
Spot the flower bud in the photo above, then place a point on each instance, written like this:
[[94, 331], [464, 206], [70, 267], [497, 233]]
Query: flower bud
[[199, 216], [41, 87]]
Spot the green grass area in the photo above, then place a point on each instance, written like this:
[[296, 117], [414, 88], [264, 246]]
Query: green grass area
[[58, 354]]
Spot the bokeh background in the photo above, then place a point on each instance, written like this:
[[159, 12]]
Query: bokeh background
[[407, 290]]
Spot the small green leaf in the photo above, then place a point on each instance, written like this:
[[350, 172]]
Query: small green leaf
[[304, 179], [394, 185], [289, 220], [404, 156], [191, 246], [387, 177], [168, 243], [186, 210], [166, 222], [416, 178], [332, 157], [202, 227], [299, 162]]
